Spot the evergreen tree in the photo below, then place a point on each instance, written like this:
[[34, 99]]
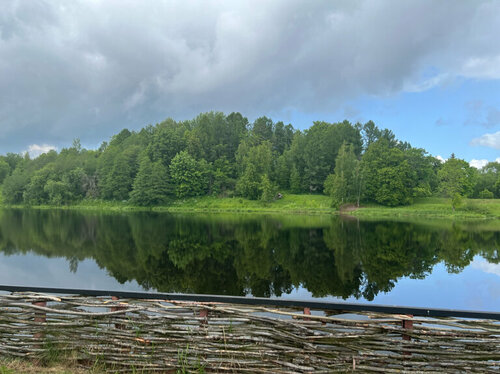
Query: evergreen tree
[[151, 185], [267, 189], [283, 172], [4, 170], [342, 186], [295, 180]]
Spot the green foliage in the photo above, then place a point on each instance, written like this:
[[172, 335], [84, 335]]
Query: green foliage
[[248, 184], [393, 185], [282, 172], [329, 185], [222, 181], [486, 194], [262, 129], [387, 175], [4, 170], [456, 177], [151, 185], [295, 180], [344, 185], [35, 192], [118, 183], [321, 145], [456, 200], [268, 190], [215, 154], [189, 176], [58, 192], [14, 187], [13, 159], [488, 178], [167, 140], [255, 162]]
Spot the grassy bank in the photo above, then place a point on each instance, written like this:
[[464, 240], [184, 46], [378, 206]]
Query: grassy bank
[[290, 203], [434, 207], [305, 204]]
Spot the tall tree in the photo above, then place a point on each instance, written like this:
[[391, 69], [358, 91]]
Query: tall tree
[[322, 143], [343, 185], [456, 177], [118, 183], [189, 176], [4, 170], [387, 176], [151, 185], [254, 163], [262, 129]]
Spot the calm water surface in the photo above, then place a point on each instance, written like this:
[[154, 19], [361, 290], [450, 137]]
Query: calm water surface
[[429, 264]]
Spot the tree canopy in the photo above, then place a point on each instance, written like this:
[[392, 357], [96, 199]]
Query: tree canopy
[[227, 155]]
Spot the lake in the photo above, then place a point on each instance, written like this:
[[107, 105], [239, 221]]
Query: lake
[[440, 264]]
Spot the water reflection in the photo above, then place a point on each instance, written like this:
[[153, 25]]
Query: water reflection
[[264, 256]]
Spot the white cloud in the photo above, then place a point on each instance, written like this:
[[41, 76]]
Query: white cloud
[[482, 67], [35, 150], [485, 266], [440, 158], [488, 140], [427, 84], [478, 164]]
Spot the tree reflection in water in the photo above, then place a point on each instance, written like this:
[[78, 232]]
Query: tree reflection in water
[[262, 255]]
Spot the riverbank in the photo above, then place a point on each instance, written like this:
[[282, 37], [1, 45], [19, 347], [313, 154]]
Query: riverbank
[[434, 207], [311, 204], [290, 204]]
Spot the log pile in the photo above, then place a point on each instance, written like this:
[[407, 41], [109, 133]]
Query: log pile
[[167, 335]]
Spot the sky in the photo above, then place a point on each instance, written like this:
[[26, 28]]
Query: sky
[[427, 70]]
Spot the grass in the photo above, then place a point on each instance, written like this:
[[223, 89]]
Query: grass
[[15, 366], [311, 204], [434, 207], [68, 366], [290, 203]]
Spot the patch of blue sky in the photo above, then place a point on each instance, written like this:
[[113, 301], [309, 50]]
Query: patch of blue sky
[[477, 288], [443, 119]]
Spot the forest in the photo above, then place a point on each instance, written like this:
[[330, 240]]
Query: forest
[[226, 156]]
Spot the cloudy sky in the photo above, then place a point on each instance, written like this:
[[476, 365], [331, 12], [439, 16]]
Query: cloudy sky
[[428, 70]]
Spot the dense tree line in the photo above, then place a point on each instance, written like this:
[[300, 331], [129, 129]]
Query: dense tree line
[[215, 154]]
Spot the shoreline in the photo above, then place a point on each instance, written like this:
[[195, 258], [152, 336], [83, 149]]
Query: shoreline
[[437, 208]]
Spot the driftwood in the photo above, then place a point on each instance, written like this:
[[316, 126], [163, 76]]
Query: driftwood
[[163, 336]]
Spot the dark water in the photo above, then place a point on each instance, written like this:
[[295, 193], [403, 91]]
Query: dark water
[[435, 264]]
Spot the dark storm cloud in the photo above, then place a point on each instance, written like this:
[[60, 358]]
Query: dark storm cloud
[[89, 68]]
